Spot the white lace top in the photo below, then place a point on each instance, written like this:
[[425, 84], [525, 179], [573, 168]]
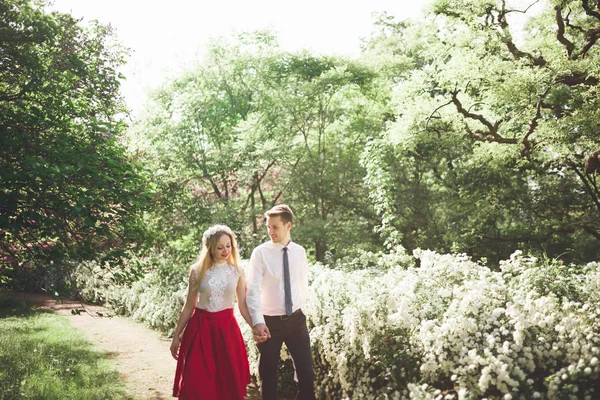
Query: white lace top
[[217, 289]]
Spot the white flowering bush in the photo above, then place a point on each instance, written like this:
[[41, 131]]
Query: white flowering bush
[[423, 326], [451, 328], [156, 299], [93, 281]]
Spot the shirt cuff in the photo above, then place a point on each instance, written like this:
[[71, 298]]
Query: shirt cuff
[[257, 319]]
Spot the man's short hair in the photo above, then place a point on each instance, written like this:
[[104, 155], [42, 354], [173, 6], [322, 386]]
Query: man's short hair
[[283, 211]]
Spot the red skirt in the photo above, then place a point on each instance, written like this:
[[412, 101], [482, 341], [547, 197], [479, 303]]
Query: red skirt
[[212, 362]]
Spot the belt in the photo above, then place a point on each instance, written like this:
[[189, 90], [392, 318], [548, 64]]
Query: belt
[[284, 317]]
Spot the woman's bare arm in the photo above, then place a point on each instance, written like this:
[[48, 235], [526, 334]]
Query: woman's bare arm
[[241, 296], [186, 313]]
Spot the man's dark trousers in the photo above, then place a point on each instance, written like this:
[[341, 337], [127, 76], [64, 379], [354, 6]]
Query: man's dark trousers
[[293, 332]]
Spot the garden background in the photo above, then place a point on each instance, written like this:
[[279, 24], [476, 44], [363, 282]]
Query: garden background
[[444, 184]]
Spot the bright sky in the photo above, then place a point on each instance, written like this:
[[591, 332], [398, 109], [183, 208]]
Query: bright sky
[[165, 37]]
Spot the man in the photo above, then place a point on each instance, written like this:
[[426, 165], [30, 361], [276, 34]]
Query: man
[[277, 289]]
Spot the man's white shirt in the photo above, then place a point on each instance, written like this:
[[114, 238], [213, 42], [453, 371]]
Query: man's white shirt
[[266, 294]]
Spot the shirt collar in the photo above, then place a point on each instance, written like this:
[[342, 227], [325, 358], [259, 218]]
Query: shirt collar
[[279, 246]]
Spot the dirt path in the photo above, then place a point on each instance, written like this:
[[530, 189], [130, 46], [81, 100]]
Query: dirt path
[[141, 354]]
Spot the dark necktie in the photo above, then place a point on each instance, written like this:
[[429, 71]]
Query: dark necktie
[[286, 283]]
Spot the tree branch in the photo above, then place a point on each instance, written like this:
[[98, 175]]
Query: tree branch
[[434, 111], [512, 47], [523, 11], [593, 35], [568, 23], [558, 111], [527, 147], [577, 78], [491, 135], [588, 9], [257, 180], [263, 200], [560, 34], [492, 129], [276, 198], [586, 184], [207, 176], [537, 61], [250, 197]]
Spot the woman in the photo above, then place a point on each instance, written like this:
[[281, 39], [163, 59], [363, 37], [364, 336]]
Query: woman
[[212, 363]]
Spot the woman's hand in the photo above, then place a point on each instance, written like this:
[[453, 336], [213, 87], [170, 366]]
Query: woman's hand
[[261, 333], [175, 347]]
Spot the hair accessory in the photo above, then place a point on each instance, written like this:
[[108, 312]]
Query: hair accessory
[[213, 230]]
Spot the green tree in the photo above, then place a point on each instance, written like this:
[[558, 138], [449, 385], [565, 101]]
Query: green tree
[[330, 107], [252, 126], [205, 144], [66, 184], [493, 129]]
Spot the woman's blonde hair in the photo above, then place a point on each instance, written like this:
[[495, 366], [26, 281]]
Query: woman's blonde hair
[[206, 259]]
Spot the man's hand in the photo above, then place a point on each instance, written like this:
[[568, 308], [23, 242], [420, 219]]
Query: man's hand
[[261, 333]]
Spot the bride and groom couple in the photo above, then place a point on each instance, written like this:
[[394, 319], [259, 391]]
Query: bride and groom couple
[[212, 363]]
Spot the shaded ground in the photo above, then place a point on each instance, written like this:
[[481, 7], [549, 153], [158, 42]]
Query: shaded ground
[[141, 354]]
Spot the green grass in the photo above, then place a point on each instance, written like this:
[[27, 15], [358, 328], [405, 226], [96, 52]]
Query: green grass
[[43, 357]]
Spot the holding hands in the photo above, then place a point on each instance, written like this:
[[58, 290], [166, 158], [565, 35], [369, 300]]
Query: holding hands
[[261, 333]]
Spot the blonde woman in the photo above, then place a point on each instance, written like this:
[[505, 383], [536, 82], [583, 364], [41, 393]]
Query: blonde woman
[[212, 362]]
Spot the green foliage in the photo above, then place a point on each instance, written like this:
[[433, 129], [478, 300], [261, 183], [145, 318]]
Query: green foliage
[[467, 130], [464, 131], [42, 357], [332, 115], [251, 126], [67, 186], [494, 125], [193, 142], [454, 133]]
